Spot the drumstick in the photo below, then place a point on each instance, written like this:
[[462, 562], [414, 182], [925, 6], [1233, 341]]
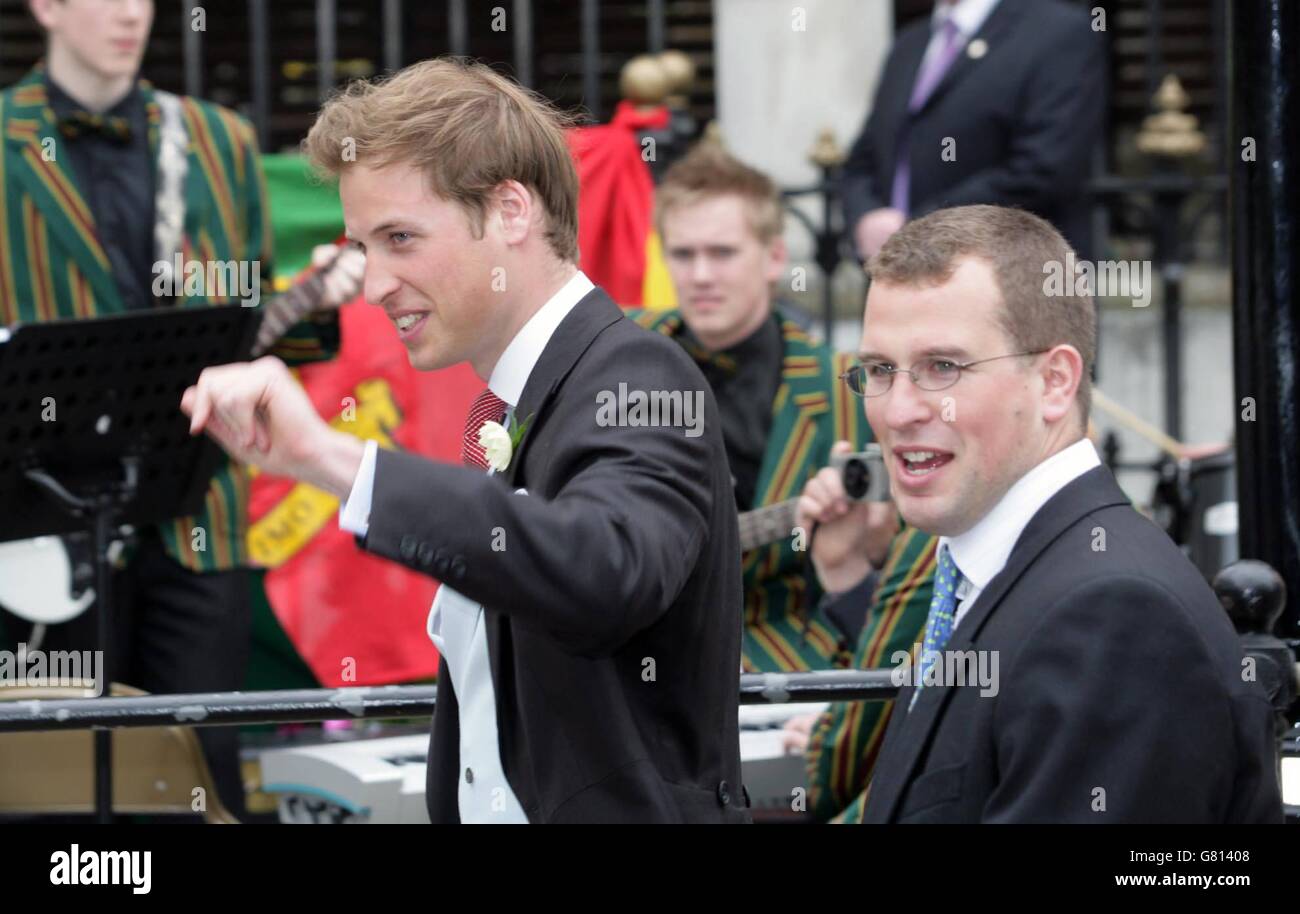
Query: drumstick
[[1139, 426]]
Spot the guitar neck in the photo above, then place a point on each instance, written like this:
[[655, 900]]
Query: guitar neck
[[767, 524], [283, 311]]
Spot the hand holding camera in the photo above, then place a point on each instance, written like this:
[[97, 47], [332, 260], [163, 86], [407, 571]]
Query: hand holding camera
[[854, 521]]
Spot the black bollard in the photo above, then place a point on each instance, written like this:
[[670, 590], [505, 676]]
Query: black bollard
[[1254, 596]]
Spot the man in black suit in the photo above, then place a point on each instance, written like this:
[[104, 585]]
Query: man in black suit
[[987, 101], [1075, 666], [589, 619]]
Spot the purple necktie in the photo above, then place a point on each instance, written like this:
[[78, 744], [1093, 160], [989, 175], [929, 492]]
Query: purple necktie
[[926, 81]]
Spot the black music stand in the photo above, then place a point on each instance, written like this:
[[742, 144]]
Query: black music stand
[[92, 437]]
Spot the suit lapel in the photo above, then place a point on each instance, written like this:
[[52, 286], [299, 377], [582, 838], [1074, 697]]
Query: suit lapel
[[994, 34], [32, 135], [910, 55], [576, 332], [592, 314], [1092, 491]]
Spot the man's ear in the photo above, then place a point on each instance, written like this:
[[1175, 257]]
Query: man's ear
[[1062, 372], [515, 211], [43, 14], [777, 255]]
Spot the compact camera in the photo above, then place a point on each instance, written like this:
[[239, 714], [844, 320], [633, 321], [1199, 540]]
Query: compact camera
[[863, 474]]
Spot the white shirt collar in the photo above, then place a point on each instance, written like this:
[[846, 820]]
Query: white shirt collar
[[968, 14], [983, 550], [511, 371]]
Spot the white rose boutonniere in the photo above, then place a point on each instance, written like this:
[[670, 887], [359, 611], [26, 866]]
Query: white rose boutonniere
[[499, 443], [497, 446]]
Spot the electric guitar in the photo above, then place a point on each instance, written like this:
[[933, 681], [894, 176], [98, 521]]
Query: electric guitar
[[767, 524]]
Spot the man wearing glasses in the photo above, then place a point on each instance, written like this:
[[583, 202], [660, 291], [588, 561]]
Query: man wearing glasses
[[1117, 693]]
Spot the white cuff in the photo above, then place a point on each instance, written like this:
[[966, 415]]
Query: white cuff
[[354, 512]]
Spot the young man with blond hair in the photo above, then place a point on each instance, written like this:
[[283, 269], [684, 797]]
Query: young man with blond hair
[[589, 617], [782, 407]]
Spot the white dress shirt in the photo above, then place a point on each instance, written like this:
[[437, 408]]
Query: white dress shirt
[[456, 623], [968, 15], [982, 551]]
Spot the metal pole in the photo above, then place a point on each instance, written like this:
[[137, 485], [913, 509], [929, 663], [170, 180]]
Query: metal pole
[[522, 27], [392, 35], [591, 57], [1155, 52], [655, 25], [104, 626], [1264, 49], [326, 47], [192, 49], [217, 709], [1168, 208], [259, 49], [458, 27]]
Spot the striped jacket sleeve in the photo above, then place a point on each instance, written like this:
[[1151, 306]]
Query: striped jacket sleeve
[[846, 739]]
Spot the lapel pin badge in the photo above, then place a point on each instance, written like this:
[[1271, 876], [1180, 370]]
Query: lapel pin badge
[[977, 48]]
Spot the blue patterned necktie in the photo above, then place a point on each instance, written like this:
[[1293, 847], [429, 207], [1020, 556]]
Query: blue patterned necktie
[[938, 624]]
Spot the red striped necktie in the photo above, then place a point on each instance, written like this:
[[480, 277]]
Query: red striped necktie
[[487, 407]]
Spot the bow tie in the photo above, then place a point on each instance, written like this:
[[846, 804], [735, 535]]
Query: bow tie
[[719, 362], [82, 123]]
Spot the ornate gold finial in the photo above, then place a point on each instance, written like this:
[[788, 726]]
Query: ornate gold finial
[[1171, 131], [681, 76], [644, 82], [826, 151]]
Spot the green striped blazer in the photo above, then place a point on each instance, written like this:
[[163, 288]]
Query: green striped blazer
[[784, 628], [53, 267], [846, 739]]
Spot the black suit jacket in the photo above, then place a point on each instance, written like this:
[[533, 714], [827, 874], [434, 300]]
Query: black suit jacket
[[1024, 118], [1120, 699], [613, 610]]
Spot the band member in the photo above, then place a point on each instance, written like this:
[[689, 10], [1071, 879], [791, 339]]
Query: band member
[[1075, 666], [781, 404], [589, 617], [85, 207]]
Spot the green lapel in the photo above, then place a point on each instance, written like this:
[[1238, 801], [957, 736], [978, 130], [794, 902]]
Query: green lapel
[[800, 400], [33, 140]]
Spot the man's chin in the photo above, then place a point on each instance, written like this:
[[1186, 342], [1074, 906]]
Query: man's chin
[[929, 514]]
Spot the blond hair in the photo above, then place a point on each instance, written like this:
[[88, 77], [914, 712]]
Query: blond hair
[[467, 127], [1017, 245], [709, 171]]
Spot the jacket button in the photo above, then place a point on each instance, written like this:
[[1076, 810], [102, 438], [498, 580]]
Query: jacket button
[[425, 553], [724, 793], [406, 548], [469, 775], [457, 568]]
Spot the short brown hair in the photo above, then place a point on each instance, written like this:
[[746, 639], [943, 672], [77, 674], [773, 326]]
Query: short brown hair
[[467, 127], [1018, 246], [709, 171]]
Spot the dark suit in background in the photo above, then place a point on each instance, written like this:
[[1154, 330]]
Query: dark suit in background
[[613, 612], [1024, 117], [1119, 672]]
